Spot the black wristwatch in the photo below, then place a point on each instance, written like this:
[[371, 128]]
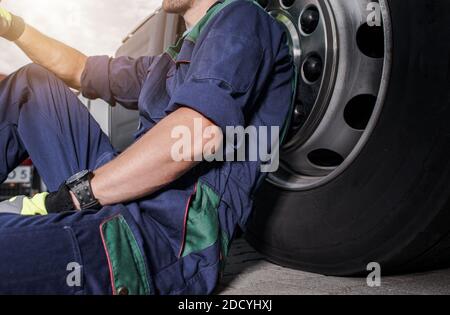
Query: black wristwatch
[[80, 185]]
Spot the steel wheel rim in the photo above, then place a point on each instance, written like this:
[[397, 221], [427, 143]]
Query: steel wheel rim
[[349, 95]]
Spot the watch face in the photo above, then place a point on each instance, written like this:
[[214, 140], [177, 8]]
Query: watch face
[[77, 177]]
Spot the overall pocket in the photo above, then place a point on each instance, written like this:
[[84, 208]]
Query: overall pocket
[[128, 270]]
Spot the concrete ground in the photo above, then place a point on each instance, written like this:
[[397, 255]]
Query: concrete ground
[[248, 273]]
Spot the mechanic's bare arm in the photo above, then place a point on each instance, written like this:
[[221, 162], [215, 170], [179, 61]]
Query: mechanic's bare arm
[[147, 166], [65, 62]]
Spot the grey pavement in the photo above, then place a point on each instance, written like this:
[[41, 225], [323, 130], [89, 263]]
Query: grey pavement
[[249, 273]]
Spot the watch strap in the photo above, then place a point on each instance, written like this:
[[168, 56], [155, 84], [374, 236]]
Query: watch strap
[[83, 192]]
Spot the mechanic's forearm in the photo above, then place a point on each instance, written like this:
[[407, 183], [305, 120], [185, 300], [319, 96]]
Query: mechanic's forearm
[[148, 166], [65, 62]]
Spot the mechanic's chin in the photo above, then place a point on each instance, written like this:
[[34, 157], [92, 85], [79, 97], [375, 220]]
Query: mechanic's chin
[[177, 6]]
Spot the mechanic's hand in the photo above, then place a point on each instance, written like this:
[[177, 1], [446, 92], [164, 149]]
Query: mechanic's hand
[[5, 21], [60, 201], [40, 204], [11, 26]]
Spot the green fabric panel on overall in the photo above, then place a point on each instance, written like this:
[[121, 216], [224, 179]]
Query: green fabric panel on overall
[[202, 224], [128, 269]]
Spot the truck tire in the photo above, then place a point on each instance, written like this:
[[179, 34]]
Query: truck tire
[[339, 200]]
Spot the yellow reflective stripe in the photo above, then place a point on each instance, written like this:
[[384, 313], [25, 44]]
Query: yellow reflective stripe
[[6, 15], [35, 205]]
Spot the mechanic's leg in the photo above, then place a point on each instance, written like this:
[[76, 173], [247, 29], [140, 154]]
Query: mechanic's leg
[[72, 254], [42, 118]]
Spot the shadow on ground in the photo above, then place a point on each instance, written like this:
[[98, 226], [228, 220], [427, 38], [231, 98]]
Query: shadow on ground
[[249, 273]]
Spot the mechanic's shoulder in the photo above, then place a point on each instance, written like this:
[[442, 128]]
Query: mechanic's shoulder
[[245, 5], [244, 13]]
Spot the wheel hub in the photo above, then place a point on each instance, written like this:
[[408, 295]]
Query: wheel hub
[[342, 51]]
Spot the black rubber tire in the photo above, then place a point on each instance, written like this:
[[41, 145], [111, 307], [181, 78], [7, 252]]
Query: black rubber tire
[[392, 204]]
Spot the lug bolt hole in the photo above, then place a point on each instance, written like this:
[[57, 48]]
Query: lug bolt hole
[[298, 117], [309, 20], [312, 68], [287, 3]]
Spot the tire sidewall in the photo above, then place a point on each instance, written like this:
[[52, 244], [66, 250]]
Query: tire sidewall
[[400, 182]]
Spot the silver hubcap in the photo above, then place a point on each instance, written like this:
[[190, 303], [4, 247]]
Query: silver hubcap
[[343, 67]]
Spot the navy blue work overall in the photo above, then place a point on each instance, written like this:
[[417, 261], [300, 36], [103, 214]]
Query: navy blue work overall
[[234, 67]]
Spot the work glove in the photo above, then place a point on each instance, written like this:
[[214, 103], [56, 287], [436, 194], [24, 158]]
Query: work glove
[[40, 204], [11, 26], [5, 21]]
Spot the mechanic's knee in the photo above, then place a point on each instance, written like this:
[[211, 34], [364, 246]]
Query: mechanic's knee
[[33, 87], [34, 81], [33, 71], [19, 86], [34, 77]]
